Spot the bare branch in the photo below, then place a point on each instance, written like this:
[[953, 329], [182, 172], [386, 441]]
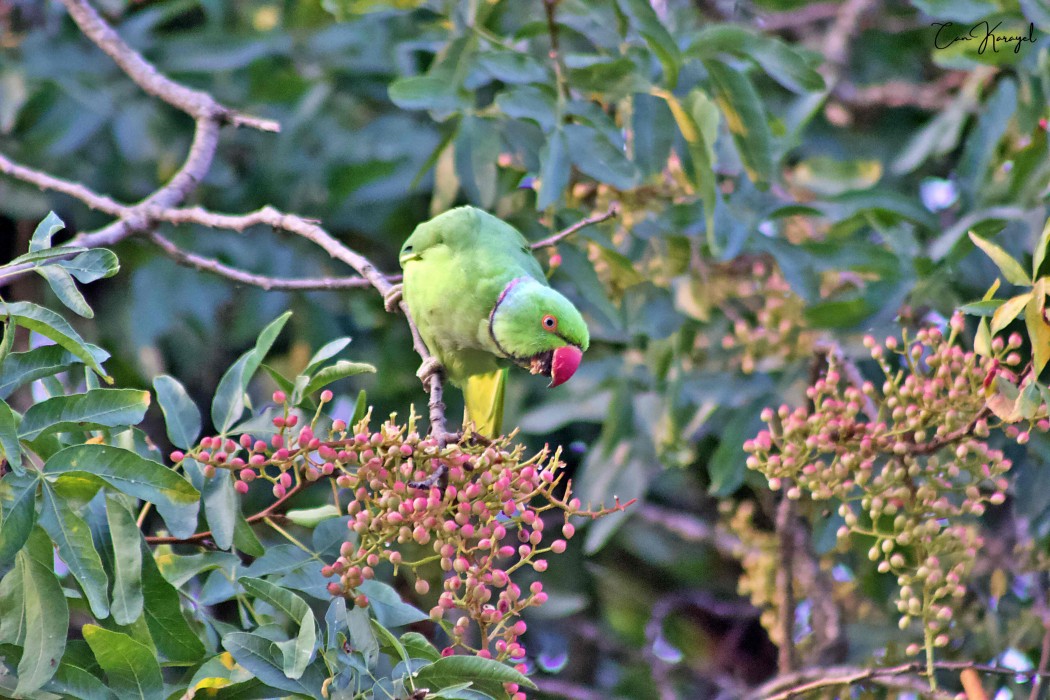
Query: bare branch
[[213, 266], [200, 105], [74, 189], [787, 659], [793, 685], [797, 17], [613, 210], [200, 537], [839, 37]]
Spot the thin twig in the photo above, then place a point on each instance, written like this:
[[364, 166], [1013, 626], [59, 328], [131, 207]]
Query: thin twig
[[785, 585], [613, 210], [792, 685], [206, 535], [213, 266], [74, 189], [200, 105]]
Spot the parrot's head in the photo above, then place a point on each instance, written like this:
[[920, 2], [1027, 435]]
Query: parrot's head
[[539, 329]]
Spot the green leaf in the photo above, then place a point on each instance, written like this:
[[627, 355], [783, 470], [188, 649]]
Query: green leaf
[[486, 675], [591, 151], [387, 605], [362, 635], [91, 265], [46, 621], [1011, 269], [65, 289], [1038, 329], [298, 652], [228, 404], [10, 450], [12, 622], [418, 647], [477, 149], [1009, 310], [127, 563], [326, 352], [221, 506], [40, 256], [426, 92], [746, 118], [511, 67], [612, 77], [643, 19], [20, 368], [176, 499], [49, 324], [244, 538], [131, 667], [72, 537], [1040, 250], [555, 170], [533, 102], [181, 416], [782, 62], [333, 373], [259, 656], [653, 127], [17, 513], [360, 408], [310, 517], [703, 167], [982, 341], [844, 313], [281, 599], [47, 228], [176, 641], [985, 307], [92, 410]]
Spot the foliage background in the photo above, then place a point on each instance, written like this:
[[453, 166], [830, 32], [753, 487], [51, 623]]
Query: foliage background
[[845, 158]]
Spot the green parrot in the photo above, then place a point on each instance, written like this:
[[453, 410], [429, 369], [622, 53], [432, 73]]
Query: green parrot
[[481, 302]]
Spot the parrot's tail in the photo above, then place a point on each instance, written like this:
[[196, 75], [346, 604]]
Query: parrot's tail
[[483, 398]]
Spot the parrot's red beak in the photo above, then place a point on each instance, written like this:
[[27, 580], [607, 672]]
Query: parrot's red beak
[[564, 363]]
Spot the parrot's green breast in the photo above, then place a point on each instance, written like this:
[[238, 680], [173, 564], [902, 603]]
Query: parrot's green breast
[[455, 268]]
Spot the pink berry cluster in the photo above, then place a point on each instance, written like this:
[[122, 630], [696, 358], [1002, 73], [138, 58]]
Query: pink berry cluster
[[480, 522], [276, 460], [909, 462], [478, 510], [765, 330]]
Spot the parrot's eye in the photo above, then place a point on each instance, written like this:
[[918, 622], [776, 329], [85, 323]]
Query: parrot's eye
[[550, 323]]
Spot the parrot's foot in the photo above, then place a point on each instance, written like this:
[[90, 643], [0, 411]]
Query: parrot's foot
[[428, 369], [392, 298]]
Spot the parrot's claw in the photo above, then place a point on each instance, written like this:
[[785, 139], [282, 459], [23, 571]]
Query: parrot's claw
[[392, 298], [429, 368]]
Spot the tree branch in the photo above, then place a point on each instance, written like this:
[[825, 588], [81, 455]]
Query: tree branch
[[613, 210], [213, 266], [200, 105], [792, 685], [785, 584], [201, 536]]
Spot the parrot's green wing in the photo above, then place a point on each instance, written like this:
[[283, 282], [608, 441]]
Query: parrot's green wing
[[483, 396], [471, 278], [456, 266]]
